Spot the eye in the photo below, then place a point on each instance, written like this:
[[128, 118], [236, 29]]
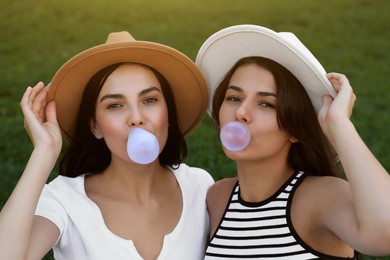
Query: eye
[[114, 105], [266, 104], [150, 100], [232, 99]]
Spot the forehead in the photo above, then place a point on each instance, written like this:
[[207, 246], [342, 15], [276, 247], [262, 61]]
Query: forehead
[[252, 76], [130, 77]]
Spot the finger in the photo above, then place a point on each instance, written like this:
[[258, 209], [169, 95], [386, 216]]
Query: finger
[[29, 95], [39, 101], [336, 76], [26, 106], [345, 99], [326, 102], [338, 80], [51, 114], [25, 98], [36, 90]]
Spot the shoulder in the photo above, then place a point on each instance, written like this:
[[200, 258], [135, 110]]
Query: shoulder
[[323, 197], [63, 182], [219, 194], [221, 189], [218, 197], [193, 174], [325, 188], [321, 211], [330, 185], [63, 191]]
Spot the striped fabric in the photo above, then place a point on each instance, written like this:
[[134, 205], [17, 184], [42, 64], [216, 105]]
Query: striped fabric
[[259, 230]]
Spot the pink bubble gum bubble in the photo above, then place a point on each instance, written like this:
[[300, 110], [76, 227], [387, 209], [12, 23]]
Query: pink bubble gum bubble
[[142, 146], [235, 136]]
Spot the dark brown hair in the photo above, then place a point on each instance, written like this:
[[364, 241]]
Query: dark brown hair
[[86, 154], [295, 114]]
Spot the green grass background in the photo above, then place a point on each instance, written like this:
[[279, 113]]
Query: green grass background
[[37, 37]]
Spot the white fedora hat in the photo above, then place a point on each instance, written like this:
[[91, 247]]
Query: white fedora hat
[[224, 48]]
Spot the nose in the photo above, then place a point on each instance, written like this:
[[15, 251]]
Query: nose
[[135, 118], [242, 113]]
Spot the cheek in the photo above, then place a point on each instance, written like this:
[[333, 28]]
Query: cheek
[[158, 116], [269, 135], [110, 125], [162, 133], [266, 126], [161, 124], [226, 115]]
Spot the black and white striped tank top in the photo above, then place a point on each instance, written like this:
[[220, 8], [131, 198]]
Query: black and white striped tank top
[[261, 230]]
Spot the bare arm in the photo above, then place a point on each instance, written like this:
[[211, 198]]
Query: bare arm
[[369, 183], [218, 197], [17, 215]]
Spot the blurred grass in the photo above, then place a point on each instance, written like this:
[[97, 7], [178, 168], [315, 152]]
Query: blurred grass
[[37, 37]]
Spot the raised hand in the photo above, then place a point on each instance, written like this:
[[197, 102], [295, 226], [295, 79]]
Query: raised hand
[[40, 119], [336, 111]]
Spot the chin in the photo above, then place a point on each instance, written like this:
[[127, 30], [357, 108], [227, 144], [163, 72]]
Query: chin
[[236, 156]]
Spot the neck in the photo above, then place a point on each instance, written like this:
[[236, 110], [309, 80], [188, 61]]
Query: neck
[[260, 180], [136, 181]]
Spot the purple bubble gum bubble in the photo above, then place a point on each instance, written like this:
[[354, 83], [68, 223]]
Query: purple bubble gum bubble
[[235, 136], [142, 146]]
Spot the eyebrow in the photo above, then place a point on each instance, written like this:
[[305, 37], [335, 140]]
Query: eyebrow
[[119, 96], [259, 93]]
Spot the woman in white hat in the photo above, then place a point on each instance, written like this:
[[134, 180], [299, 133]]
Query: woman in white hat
[[112, 202], [281, 119]]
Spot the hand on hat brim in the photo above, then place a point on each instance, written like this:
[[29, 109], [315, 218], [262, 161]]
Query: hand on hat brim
[[40, 119], [335, 112]]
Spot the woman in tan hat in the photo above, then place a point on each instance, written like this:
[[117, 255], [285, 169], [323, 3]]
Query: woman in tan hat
[[123, 191], [281, 119]]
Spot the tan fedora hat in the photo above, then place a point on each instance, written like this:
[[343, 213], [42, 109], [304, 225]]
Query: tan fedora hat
[[187, 83], [224, 48]]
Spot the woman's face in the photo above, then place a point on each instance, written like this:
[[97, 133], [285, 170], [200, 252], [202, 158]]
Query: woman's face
[[130, 97], [251, 99]]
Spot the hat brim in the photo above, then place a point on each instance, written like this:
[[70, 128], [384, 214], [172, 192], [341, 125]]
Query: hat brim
[[224, 48], [187, 83]]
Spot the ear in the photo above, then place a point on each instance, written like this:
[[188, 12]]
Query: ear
[[95, 130], [293, 140]]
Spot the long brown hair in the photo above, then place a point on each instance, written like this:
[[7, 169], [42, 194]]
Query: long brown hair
[[295, 114], [86, 154]]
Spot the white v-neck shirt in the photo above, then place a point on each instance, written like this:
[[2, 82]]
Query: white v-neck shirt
[[84, 235]]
